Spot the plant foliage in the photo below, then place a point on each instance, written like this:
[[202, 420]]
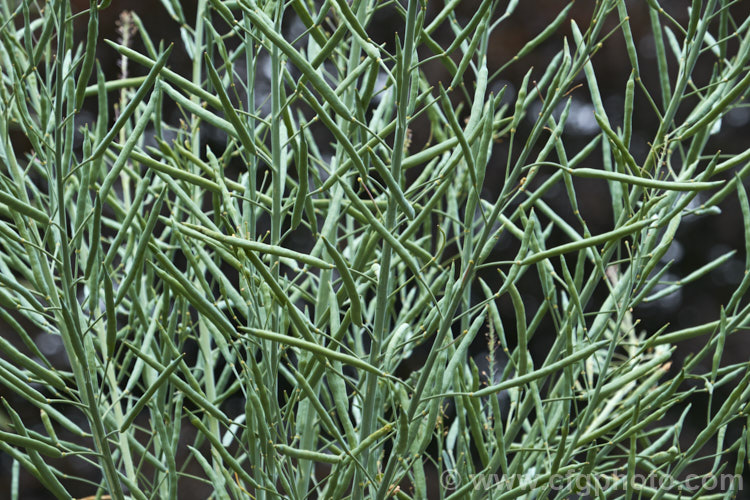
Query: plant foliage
[[287, 311]]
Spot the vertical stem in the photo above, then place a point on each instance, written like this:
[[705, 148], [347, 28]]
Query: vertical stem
[[197, 70], [67, 299], [272, 348], [403, 86], [248, 209]]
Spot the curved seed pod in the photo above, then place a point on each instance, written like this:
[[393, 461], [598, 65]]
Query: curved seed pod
[[163, 376], [30, 444], [140, 251], [133, 104]]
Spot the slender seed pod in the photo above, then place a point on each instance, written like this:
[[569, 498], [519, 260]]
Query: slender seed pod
[[89, 55], [109, 303], [302, 181]]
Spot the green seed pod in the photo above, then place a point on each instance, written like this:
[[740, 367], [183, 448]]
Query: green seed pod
[[663, 457]]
